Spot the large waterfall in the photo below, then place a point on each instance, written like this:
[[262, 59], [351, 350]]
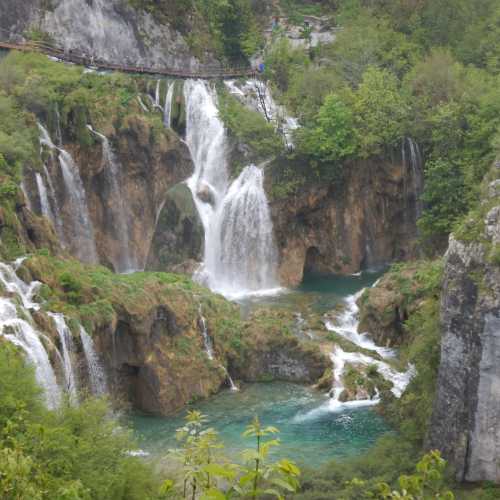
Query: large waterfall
[[17, 326], [240, 255]]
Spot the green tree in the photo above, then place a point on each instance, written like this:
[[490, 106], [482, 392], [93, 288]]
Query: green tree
[[381, 111], [333, 135]]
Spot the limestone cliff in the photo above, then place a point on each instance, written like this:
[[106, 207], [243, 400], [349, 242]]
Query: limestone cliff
[[367, 221], [110, 30], [465, 424]]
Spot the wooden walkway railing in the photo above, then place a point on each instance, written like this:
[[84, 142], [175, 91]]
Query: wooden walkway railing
[[206, 73]]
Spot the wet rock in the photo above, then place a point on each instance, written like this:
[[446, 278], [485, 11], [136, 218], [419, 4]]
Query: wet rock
[[177, 243]]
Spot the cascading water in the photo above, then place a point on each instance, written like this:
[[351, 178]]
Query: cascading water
[[67, 346], [97, 376], [19, 331], [248, 257], [113, 171], [44, 199], [257, 95], [240, 256], [167, 109], [79, 226], [414, 173]]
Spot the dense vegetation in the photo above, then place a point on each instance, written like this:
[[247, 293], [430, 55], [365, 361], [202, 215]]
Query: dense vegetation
[[426, 70]]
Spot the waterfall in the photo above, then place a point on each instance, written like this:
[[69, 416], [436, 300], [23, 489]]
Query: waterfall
[[167, 110], [414, 173], [80, 225], [83, 231], [240, 255], [157, 94], [97, 377], [67, 346], [248, 257], [21, 333], [44, 199], [256, 95], [204, 331], [126, 263]]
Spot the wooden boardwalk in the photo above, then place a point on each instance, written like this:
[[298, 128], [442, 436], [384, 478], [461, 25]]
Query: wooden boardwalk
[[71, 56]]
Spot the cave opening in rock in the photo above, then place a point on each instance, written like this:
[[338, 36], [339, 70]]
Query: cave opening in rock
[[312, 263]]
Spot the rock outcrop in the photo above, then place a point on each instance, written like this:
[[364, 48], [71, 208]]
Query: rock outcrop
[[465, 423], [110, 30], [178, 239], [148, 329], [367, 221]]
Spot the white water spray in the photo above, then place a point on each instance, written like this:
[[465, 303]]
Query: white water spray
[[240, 256], [167, 109], [80, 226], [68, 349], [97, 376]]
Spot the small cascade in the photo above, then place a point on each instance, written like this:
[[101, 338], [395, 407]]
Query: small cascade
[[157, 94], [58, 223], [14, 285], [414, 174], [15, 326], [21, 333], [126, 263], [97, 376], [68, 348], [206, 339], [167, 109], [209, 348], [142, 105], [58, 125], [347, 327], [257, 96], [240, 256], [80, 226], [82, 229], [44, 199]]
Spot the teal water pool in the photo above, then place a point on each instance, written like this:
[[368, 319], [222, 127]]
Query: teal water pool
[[310, 434]]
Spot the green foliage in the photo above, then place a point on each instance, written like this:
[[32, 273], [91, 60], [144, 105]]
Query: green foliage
[[75, 453], [333, 137], [282, 61], [208, 474]]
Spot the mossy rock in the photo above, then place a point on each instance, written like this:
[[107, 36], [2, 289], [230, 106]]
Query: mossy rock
[[179, 233]]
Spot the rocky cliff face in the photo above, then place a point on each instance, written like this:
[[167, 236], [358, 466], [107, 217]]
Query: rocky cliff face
[[465, 424], [367, 222], [106, 29], [147, 163]]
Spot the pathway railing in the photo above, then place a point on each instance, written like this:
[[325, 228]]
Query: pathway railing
[[76, 57]]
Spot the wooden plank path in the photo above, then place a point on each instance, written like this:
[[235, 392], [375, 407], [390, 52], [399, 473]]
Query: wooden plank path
[[84, 60]]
